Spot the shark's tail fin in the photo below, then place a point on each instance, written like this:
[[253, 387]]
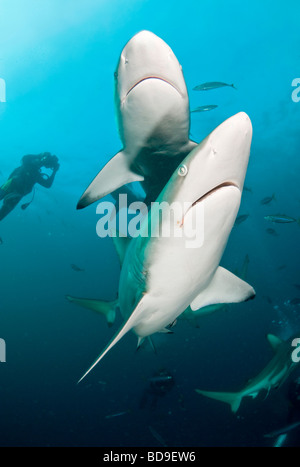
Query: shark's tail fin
[[108, 309], [232, 398]]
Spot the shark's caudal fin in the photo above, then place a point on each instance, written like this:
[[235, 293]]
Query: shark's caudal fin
[[232, 398], [114, 174], [225, 287], [129, 324], [108, 309]]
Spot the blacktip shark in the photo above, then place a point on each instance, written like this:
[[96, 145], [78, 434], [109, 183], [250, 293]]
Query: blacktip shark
[[109, 309], [153, 116], [162, 275], [272, 376]]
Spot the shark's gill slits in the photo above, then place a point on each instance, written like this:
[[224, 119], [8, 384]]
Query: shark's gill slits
[[152, 77]]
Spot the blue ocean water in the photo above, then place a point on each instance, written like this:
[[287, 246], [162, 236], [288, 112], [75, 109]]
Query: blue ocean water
[[58, 61]]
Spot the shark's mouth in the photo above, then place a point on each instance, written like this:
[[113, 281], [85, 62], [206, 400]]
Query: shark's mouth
[[213, 190], [152, 77], [210, 193]]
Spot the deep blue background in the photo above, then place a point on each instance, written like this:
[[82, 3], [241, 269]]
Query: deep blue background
[[58, 59]]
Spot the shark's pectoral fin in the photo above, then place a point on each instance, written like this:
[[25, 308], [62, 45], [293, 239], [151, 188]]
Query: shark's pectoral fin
[[274, 341], [132, 321], [108, 309], [225, 287], [114, 174]]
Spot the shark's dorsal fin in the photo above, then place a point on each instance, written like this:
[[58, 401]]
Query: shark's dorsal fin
[[225, 287], [114, 174], [128, 325], [274, 341], [121, 245]]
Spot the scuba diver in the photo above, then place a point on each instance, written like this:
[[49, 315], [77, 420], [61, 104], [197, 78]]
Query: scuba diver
[[160, 384], [22, 180]]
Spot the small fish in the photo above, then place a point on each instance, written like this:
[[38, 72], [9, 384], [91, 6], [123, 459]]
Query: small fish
[[283, 266], [158, 437], [283, 430], [281, 219], [268, 199], [119, 414], [297, 286], [204, 108], [272, 232], [1, 241], [246, 188], [212, 85], [241, 219], [76, 268]]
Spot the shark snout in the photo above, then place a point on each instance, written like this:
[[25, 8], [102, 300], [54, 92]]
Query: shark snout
[[229, 148], [147, 56]]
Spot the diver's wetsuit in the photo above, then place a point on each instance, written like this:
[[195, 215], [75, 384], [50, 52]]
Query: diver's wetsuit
[[22, 180]]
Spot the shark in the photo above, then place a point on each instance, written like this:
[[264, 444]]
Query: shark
[[153, 118], [272, 376], [162, 275]]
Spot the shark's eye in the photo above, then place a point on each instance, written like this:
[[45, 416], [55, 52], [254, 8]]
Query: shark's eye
[[182, 171], [115, 75]]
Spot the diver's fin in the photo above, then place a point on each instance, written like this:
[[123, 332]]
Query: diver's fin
[[225, 287], [121, 245], [274, 341], [108, 309], [129, 324], [114, 174], [232, 398]]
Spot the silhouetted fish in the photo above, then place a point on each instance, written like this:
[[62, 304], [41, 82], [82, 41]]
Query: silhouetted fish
[[297, 286], [204, 108], [212, 85], [272, 232], [241, 219], [1, 241], [268, 199], [76, 268]]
